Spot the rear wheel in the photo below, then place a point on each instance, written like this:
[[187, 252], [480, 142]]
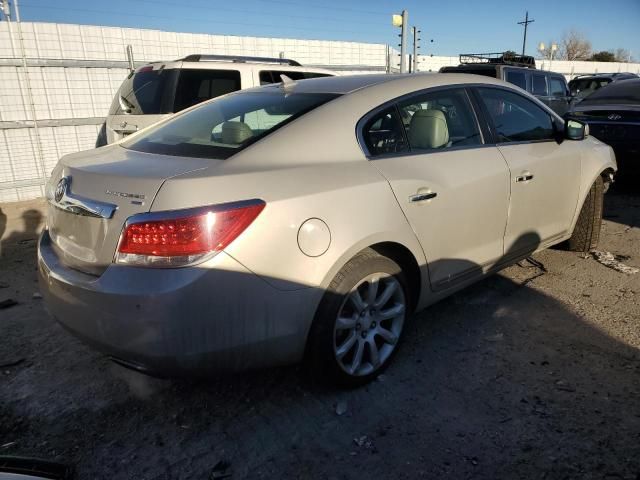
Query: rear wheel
[[586, 233], [360, 321]]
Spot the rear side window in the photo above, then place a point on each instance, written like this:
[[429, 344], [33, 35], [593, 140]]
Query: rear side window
[[439, 120], [384, 133], [225, 126], [517, 78], [146, 92], [273, 76], [195, 86], [557, 87], [516, 118], [538, 84]]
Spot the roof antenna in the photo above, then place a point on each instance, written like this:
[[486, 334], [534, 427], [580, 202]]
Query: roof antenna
[[287, 83]]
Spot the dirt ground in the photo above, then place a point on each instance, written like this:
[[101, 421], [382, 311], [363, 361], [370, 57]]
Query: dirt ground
[[525, 375]]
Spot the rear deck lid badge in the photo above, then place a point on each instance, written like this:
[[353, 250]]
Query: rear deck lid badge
[[61, 189], [138, 196]]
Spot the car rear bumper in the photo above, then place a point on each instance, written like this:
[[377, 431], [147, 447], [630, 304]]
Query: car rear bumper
[[216, 317]]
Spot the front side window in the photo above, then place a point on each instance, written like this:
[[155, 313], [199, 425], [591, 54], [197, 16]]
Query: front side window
[[538, 84], [225, 126], [557, 88], [439, 120], [273, 76], [516, 118], [517, 78], [195, 86]]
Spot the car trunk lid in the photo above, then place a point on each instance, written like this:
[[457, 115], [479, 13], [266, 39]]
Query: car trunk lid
[[91, 195]]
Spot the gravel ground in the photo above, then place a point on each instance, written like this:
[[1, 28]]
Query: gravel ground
[[525, 375]]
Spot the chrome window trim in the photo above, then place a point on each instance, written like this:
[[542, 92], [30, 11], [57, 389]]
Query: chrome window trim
[[394, 103]]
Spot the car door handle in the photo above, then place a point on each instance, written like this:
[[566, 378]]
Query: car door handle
[[421, 197], [524, 177]]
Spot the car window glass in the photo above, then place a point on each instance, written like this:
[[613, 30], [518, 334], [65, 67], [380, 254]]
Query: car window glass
[[557, 88], [273, 76], [195, 86], [538, 84], [145, 92], [517, 78], [516, 119], [384, 133], [220, 128], [439, 120]]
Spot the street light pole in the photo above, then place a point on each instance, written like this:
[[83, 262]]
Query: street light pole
[[403, 42]]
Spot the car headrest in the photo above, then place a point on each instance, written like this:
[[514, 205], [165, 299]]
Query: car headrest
[[428, 129], [236, 132]]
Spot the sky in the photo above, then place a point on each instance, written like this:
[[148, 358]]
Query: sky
[[455, 26]]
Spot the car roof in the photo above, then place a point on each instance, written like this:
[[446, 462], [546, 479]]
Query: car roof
[[412, 81]]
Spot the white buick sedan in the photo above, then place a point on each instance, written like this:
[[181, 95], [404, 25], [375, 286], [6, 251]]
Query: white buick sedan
[[308, 220]]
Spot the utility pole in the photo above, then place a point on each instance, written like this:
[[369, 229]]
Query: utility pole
[[526, 23], [402, 21], [416, 46]]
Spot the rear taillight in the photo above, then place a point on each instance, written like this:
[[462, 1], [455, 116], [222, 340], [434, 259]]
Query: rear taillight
[[185, 237]]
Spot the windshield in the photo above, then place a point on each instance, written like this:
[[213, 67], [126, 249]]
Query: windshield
[[624, 92], [221, 128]]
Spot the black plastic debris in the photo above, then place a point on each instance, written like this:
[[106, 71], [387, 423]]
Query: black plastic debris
[[222, 469], [35, 468], [8, 303]]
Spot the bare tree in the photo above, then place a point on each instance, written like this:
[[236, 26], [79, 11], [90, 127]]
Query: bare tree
[[575, 46], [623, 55]]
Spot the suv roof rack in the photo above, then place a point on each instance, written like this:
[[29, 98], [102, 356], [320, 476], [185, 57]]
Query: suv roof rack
[[498, 58], [238, 59]]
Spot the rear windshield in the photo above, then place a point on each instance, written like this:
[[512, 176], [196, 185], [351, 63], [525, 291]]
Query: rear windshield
[[223, 127], [624, 92], [586, 86], [145, 92], [149, 91]]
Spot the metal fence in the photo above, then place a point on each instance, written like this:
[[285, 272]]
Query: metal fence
[[57, 82]]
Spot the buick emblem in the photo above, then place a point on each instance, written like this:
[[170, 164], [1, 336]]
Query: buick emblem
[[614, 116], [61, 189], [123, 125]]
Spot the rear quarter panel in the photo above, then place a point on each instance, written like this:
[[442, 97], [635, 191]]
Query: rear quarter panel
[[352, 198]]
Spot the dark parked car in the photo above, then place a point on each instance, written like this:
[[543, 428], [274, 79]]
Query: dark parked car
[[613, 116], [549, 87], [584, 85]]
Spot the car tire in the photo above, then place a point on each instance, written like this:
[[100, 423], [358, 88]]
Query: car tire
[[354, 338], [586, 233]]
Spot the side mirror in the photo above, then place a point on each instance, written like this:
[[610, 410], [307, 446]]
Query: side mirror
[[575, 130]]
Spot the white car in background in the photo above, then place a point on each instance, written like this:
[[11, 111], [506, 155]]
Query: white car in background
[[154, 91]]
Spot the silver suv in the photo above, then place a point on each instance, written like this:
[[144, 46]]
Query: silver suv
[[159, 89]]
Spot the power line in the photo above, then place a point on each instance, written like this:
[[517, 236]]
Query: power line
[[198, 6], [199, 20]]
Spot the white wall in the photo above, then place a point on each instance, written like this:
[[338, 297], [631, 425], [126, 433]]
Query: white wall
[[63, 92]]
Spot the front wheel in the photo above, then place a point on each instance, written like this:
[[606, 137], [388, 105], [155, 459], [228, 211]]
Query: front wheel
[[360, 320], [586, 233]]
